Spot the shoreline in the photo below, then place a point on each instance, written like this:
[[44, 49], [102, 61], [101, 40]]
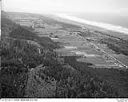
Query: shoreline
[[105, 26]]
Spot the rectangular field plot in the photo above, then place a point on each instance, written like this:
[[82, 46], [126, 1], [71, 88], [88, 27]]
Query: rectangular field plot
[[97, 61], [122, 58]]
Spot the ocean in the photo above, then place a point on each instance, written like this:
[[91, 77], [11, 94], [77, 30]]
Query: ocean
[[109, 21], [110, 18]]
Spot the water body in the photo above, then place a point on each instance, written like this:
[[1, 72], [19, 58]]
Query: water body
[[109, 18], [117, 23]]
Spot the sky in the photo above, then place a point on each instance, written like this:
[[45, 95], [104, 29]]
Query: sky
[[45, 6]]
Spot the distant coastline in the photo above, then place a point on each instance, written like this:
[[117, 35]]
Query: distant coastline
[[106, 26]]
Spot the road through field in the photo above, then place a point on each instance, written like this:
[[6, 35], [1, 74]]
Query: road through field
[[118, 62], [80, 46]]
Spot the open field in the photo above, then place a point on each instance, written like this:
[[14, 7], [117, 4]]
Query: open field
[[82, 47]]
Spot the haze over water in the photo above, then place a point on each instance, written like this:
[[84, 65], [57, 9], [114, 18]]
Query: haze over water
[[110, 18], [110, 14], [109, 21]]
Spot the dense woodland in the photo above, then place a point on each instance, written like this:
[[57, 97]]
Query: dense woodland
[[120, 46], [30, 68]]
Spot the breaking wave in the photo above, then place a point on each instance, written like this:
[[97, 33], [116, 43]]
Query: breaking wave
[[98, 24]]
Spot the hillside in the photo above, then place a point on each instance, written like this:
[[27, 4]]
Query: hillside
[[30, 66]]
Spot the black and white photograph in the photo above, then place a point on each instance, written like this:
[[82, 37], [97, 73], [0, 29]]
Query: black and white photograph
[[64, 49]]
